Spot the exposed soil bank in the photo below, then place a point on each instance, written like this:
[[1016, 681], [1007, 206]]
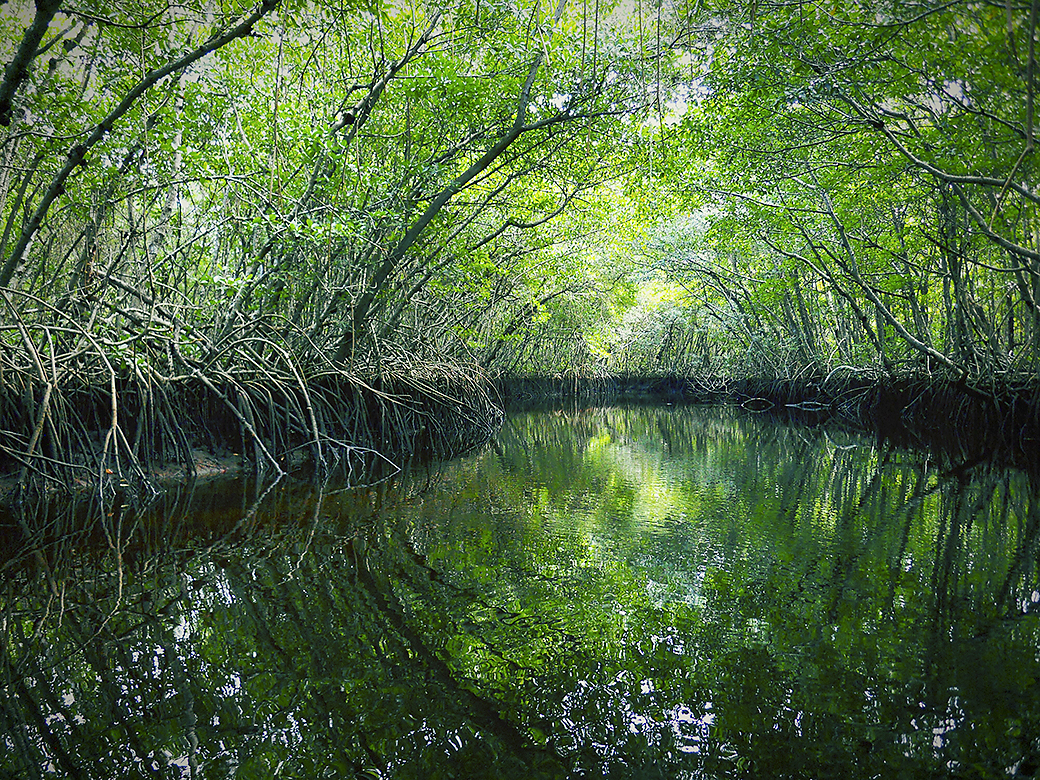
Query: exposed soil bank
[[960, 421]]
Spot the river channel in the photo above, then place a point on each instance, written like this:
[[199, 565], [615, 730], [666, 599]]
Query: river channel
[[624, 592]]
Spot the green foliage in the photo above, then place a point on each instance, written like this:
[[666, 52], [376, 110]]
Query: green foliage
[[338, 163], [233, 193], [858, 167], [290, 190]]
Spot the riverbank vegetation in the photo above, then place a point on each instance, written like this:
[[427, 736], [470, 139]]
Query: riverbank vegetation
[[323, 228]]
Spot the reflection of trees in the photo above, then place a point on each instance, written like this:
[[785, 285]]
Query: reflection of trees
[[835, 599], [804, 604], [283, 646]]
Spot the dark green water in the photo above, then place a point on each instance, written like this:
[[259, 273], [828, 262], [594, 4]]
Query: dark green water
[[627, 593]]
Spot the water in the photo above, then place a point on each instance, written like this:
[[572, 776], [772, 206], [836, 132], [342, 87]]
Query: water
[[649, 592]]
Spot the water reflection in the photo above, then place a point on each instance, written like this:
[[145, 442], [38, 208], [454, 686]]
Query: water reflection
[[631, 593]]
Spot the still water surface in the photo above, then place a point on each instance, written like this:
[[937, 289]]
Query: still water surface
[[644, 592]]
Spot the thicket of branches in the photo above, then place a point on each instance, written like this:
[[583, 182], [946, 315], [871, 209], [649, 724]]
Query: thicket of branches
[[302, 225], [862, 190], [272, 226]]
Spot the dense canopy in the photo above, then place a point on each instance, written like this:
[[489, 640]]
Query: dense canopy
[[270, 206]]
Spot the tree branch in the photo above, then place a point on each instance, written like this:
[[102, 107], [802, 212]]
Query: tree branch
[[77, 155], [18, 68]]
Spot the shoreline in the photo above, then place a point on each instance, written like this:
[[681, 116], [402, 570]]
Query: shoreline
[[205, 466], [917, 412]]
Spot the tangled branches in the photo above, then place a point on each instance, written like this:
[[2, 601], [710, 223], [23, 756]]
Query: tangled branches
[[93, 404]]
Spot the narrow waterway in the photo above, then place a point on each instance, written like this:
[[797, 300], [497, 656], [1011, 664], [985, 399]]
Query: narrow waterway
[[637, 592]]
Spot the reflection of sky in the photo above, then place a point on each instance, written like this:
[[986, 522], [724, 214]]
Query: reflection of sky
[[683, 727]]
